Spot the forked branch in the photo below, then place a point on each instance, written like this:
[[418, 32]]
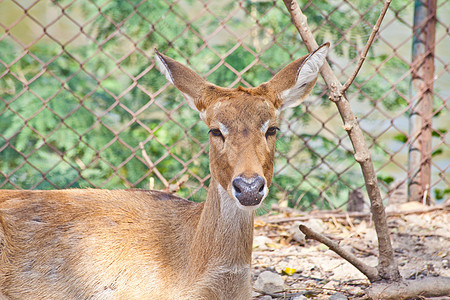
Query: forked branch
[[387, 267]]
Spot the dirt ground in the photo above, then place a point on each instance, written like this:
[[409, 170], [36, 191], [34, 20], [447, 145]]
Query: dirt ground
[[421, 242]]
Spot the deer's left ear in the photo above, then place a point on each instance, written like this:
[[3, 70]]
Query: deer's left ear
[[184, 79], [293, 83]]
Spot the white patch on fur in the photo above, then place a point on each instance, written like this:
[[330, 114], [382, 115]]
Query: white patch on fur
[[265, 127], [223, 129], [307, 74], [232, 212], [203, 115], [248, 207], [228, 205], [216, 107]]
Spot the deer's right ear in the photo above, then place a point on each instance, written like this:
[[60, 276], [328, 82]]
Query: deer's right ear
[[293, 83], [184, 79]]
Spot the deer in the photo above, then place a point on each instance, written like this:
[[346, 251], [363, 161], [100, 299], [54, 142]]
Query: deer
[[146, 244]]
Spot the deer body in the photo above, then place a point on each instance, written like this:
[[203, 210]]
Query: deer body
[[73, 247], [135, 244]]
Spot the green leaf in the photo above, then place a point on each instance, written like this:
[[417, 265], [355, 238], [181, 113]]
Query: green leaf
[[439, 132], [401, 138], [437, 152], [386, 179], [440, 194]]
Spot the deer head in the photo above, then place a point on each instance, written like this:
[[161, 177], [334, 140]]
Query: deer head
[[243, 122]]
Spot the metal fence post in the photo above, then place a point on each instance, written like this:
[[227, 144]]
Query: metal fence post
[[421, 105]]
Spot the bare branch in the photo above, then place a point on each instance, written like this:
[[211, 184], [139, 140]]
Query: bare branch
[[151, 166], [366, 48], [370, 272], [173, 188]]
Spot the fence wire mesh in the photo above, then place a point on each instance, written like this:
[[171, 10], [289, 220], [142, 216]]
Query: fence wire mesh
[[83, 105]]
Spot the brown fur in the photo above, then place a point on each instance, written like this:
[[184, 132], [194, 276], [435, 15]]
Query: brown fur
[[100, 244]]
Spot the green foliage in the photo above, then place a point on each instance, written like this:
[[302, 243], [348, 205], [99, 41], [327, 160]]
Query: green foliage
[[83, 116], [440, 194], [74, 132]]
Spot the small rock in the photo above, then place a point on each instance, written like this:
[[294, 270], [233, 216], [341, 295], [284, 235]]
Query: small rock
[[338, 296], [297, 235], [301, 297], [255, 294], [265, 297], [329, 285], [261, 242], [355, 291], [316, 225], [269, 282]]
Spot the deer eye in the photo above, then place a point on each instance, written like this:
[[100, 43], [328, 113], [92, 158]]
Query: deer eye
[[271, 131], [216, 132]]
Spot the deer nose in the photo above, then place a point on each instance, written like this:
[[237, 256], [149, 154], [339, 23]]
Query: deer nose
[[249, 191]]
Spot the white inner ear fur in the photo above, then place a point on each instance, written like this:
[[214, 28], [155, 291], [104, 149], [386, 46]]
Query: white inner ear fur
[[190, 102], [163, 69], [307, 74], [166, 72]]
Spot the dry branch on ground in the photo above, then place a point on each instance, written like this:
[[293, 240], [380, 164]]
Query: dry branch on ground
[[420, 242]]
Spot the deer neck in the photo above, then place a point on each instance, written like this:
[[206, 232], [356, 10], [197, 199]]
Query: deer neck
[[224, 235]]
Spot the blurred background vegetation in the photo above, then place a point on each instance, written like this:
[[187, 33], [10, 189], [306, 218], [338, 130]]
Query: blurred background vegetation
[[79, 93]]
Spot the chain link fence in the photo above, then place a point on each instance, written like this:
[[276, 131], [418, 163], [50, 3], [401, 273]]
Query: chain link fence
[[82, 104]]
